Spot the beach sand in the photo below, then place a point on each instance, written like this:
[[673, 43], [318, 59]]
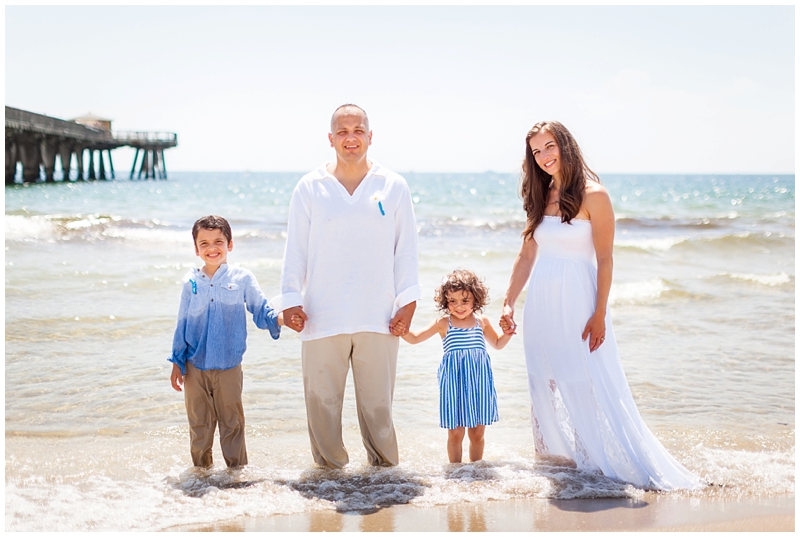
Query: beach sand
[[652, 512]]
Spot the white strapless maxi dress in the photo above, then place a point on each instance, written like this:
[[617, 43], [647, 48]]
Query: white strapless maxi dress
[[582, 407]]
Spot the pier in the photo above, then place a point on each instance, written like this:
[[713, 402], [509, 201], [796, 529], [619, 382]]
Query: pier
[[36, 144]]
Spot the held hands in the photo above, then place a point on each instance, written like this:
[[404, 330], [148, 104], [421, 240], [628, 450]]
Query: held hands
[[507, 323], [399, 329], [176, 378], [295, 318], [400, 323], [596, 330]]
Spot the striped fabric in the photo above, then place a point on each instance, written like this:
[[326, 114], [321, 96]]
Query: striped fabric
[[467, 397]]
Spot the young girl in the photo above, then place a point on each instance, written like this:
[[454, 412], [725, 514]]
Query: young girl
[[467, 398]]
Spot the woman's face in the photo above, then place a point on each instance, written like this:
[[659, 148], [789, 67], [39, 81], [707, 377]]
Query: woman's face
[[546, 153]]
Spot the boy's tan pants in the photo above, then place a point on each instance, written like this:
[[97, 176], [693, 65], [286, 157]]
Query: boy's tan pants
[[325, 365], [212, 396]]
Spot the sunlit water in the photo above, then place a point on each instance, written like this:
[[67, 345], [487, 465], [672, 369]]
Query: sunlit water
[[702, 303]]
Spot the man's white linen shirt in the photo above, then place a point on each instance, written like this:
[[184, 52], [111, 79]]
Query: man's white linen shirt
[[350, 261]]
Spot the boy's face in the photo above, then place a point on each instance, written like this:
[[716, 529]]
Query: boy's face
[[212, 247]]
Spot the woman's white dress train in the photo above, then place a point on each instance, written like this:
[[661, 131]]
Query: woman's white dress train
[[582, 407]]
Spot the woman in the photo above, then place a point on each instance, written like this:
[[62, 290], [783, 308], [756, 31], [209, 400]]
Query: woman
[[582, 407]]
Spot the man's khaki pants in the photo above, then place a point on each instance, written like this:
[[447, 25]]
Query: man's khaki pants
[[212, 396], [325, 365]]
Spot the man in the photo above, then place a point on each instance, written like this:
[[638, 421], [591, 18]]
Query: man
[[350, 285]]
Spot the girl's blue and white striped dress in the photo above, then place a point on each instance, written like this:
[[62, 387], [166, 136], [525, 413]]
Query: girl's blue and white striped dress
[[466, 387]]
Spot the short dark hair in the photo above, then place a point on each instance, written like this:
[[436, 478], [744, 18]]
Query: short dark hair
[[464, 281], [212, 222], [347, 110]]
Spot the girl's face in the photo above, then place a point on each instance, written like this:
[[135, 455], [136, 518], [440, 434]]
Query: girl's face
[[546, 153], [460, 304]]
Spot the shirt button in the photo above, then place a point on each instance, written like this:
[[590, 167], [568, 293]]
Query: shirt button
[[212, 285], [212, 300]]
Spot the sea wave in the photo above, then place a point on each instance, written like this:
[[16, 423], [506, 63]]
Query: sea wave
[[71, 500], [102, 227], [458, 225], [730, 241], [648, 291], [85, 227], [672, 222], [768, 280], [700, 222]]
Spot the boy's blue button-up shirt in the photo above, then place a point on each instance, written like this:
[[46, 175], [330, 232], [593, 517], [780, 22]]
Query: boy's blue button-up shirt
[[212, 323]]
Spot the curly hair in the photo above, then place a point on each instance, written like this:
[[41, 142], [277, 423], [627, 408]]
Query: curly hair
[[465, 281]]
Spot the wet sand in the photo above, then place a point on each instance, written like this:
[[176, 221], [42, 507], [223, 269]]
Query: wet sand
[[653, 512]]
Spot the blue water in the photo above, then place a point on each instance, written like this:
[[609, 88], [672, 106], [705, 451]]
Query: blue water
[[702, 301]]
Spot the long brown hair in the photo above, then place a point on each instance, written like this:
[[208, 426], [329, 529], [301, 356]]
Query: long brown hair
[[535, 182]]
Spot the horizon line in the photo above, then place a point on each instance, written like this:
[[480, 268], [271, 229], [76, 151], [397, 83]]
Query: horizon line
[[490, 171]]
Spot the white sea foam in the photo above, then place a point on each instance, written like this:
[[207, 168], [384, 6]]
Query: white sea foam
[[650, 244], [151, 235], [770, 280], [89, 227], [20, 227], [637, 292], [154, 491]]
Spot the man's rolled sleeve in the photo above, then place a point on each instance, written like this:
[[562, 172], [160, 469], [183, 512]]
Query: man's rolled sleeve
[[295, 257], [406, 264]]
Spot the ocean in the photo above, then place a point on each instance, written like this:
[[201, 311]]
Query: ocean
[[703, 306]]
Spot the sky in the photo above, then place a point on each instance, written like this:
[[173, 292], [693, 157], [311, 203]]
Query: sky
[[644, 89]]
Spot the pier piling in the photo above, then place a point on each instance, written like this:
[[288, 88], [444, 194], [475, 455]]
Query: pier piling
[[33, 141]]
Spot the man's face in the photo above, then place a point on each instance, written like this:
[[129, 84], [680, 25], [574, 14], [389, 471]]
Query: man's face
[[349, 137]]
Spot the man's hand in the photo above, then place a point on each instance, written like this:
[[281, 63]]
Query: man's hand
[[176, 378], [295, 318], [401, 322]]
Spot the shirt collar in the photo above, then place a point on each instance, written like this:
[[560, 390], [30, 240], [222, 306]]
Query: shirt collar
[[202, 277], [323, 173]]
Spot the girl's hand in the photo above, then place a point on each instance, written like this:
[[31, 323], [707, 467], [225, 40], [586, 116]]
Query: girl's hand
[[398, 329], [596, 328], [507, 321], [505, 326], [401, 322]]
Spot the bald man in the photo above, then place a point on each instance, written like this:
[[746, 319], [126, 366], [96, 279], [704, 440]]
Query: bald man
[[349, 286]]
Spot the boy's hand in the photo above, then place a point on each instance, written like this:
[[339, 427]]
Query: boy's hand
[[176, 378], [295, 318]]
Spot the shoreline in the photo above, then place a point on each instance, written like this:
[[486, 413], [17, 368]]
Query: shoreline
[[651, 512]]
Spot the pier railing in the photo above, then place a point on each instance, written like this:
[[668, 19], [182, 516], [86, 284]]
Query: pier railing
[[161, 138], [23, 120]]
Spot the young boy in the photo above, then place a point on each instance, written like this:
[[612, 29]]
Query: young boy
[[210, 340]]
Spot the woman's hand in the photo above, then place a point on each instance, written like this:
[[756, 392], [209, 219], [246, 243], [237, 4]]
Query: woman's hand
[[595, 330], [507, 320]]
